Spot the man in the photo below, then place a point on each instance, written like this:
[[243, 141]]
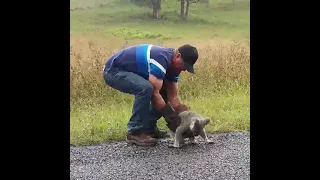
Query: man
[[150, 73]]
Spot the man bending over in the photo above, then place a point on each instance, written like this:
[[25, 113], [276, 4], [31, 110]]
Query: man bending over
[[151, 74]]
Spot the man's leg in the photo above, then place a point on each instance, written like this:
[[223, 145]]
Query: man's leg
[[134, 84]]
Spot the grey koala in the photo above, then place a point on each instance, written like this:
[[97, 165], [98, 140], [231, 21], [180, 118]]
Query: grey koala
[[190, 121]]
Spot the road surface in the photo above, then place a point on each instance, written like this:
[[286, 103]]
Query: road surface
[[228, 158]]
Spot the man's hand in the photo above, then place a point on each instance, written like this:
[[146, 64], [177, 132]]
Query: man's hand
[[181, 107], [172, 118]]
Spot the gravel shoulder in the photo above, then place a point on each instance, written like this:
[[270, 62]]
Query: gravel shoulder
[[228, 158]]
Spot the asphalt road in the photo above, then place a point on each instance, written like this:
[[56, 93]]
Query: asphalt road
[[227, 158]]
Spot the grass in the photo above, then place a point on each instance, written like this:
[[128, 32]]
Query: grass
[[219, 90], [94, 124], [222, 20]]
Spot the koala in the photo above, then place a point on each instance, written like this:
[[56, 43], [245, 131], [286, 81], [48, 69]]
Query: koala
[[192, 124]]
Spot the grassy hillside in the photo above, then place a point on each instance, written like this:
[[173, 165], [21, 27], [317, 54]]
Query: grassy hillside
[[222, 20], [220, 89]]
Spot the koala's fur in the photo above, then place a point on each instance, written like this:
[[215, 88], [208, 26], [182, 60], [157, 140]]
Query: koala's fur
[[192, 124], [174, 123]]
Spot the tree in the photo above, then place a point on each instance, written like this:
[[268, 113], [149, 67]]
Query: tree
[[182, 16], [184, 13], [156, 5]]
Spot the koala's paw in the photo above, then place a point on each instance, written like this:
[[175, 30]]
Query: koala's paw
[[175, 146], [208, 141], [193, 141]]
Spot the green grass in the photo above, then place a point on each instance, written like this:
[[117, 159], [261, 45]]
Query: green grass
[[95, 124], [221, 21], [219, 90]]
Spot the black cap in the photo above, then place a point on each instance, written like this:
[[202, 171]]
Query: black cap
[[189, 56]]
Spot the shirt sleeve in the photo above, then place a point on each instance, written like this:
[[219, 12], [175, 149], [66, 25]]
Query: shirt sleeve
[[173, 76], [157, 70], [159, 61]]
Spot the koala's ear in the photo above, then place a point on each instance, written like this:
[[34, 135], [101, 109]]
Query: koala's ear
[[206, 121], [195, 119]]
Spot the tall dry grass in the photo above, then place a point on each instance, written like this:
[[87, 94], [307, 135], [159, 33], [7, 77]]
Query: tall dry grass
[[221, 65]]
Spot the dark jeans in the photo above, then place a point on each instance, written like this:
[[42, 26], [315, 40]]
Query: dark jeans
[[144, 115]]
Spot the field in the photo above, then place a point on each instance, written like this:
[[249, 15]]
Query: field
[[220, 89]]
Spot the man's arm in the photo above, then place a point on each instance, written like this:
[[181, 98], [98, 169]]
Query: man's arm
[[172, 93], [171, 117], [158, 101]]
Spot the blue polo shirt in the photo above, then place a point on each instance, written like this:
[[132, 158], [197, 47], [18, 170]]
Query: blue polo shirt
[[145, 59]]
